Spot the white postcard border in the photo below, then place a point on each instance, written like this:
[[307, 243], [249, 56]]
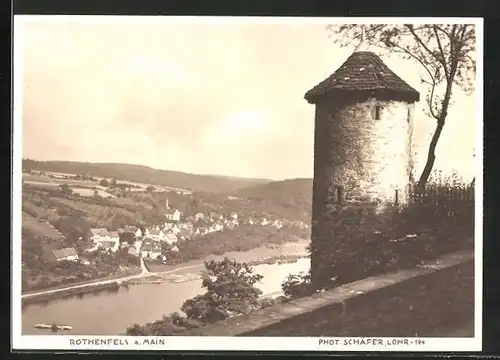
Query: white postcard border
[[61, 342]]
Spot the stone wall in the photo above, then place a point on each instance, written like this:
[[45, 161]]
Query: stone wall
[[368, 158], [406, 303], [365, 158]]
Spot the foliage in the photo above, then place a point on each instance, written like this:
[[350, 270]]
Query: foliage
[[446, 53], [289, 199], [230, 291], [297, 285], [75, 229], [73, 216], [42, 273], [366, 241], [127, 237], [65, 189], [242, 238]]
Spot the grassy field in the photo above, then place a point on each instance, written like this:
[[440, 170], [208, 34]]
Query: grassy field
[[82, 191], [35, 179], [80, 187], [145, 175]]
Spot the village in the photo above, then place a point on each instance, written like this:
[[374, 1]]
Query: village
[[155, 241]]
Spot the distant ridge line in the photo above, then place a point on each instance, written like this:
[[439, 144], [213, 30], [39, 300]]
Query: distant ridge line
[[147, 175]]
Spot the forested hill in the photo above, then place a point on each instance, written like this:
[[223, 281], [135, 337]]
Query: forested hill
[[147, 175], [292, 194]]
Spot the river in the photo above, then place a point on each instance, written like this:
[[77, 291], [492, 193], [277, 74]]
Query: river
[[110, 313]]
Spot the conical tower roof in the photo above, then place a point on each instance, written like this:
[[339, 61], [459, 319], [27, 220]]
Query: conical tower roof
[[364, 73]]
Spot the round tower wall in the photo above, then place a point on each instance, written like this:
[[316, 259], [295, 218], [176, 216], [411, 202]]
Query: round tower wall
[[366, 150]]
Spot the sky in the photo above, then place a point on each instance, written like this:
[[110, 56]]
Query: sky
[[224, 99]]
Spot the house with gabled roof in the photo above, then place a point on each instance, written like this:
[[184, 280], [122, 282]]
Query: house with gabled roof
[[68, 254], [109, 245], [98, 234], [150, 250], [187, 225], [218, 226], [173, 215], [199, 216], [176, 229], [170, 239], [113, 236], [132, 250], [157, 235], [133, 229]]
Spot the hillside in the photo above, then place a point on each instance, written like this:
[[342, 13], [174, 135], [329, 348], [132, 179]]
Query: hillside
[[147, 175], [292, 195]]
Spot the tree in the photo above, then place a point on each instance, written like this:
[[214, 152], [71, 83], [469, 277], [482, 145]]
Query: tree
[[150, 189], [113, 183], [297, 285], [75, 229], [65, 189], [444, 51], [230, 291], [104, 183], [127, 237]]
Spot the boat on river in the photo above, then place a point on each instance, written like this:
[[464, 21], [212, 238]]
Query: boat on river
[[185, 279], [53, 327]]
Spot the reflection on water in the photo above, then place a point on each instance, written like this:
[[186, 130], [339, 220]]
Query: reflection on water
[[111, 312]]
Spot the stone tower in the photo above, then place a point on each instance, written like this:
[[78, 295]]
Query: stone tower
[[362, 144]]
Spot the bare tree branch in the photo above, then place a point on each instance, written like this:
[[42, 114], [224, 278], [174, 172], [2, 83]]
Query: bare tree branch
[[445, 53], [443, 31], [439, 43], [422, 44]]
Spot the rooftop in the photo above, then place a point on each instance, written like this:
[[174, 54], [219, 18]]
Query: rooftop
[[364, 72], [113, 234], [64, 253], [108, 244], [99, 231]]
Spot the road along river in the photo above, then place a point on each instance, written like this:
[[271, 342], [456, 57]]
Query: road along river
[[110, 313]]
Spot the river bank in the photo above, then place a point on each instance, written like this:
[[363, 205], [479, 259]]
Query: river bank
[[63, 287], [69, 293], [189, 271], [111, 312]]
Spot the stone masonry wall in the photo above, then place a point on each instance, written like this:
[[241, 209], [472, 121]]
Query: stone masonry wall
[[367, 158]]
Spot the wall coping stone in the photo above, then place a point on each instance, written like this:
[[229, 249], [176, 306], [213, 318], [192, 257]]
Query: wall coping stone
[[274, 314]]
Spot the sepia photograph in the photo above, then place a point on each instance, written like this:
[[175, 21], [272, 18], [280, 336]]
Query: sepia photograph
[[246, 183]]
